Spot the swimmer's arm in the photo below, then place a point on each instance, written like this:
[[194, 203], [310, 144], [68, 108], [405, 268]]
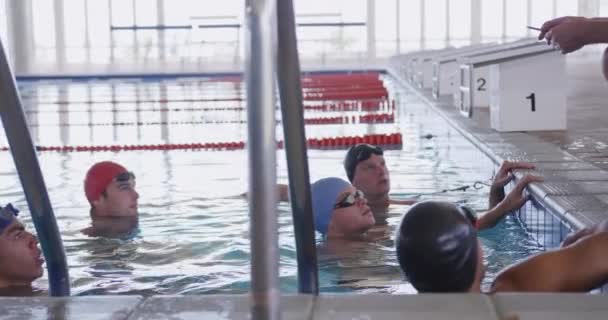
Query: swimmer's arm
[[513, 201], [577, 235], [502, 178], [580, 267], [600, 30], [497, 194], [490, 218]]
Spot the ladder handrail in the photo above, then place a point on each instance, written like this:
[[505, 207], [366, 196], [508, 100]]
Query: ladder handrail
[[261, 128], [290, 92], [30, 175]]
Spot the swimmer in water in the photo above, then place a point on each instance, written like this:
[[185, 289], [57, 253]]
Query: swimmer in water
[[340, 210], [438, 251], [20, 258], [110, 190]]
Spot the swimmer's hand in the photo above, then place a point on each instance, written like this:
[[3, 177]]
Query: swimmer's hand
[[513, 201], [569, 33], [502, 178], [516, 198]]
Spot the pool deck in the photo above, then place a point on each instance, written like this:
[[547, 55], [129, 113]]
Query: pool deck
[[302, 307], [573, 162]]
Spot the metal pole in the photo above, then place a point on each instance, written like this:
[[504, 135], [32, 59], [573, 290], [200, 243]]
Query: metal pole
[[135, 36], [111, 22], [60, 53], [398, 24], [504, 20], [261, 23], [554, 11], [476, 21], [160, 20], [292, 110], [447, 23], [371, 29], [26, 162], [528, 17], [87, 36], [422, 25]]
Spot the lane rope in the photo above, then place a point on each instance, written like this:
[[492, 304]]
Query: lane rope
[[388, 141]]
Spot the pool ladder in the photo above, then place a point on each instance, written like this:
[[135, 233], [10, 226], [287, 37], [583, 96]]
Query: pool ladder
[[264, 17]]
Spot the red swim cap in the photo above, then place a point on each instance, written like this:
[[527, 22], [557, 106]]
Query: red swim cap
[[99, 177]]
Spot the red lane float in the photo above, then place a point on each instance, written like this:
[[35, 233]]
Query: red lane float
[[363, 105], [393, 140], [334, 87], [338, 88], [347, 95], [305, 77]]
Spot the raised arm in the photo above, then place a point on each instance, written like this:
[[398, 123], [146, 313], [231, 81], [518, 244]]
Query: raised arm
[[502, 178], [513, 201], [572, 33], [580, 267]]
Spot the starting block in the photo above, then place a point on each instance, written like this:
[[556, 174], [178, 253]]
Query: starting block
[[526, 86]]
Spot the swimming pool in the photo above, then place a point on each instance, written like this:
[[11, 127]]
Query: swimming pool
[[193, 231]]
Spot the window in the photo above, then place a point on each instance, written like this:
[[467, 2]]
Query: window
[[491, 19], [410, 24], [460, 22], [435, 23], [43, 16], [516, 19]]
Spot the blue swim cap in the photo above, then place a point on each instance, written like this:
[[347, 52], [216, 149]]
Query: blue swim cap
[[7, 215], [324, 195]]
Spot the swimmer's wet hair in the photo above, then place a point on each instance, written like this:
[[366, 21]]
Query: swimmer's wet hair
[[436, 247]]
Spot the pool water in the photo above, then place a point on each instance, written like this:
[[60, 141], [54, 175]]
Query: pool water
[[193, 234]]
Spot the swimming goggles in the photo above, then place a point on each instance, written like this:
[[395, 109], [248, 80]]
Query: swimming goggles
[[350, 200], [362, 152], [124, 176]]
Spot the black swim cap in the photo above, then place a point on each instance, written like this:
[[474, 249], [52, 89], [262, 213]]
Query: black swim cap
[[357, 153], [437, 247]]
